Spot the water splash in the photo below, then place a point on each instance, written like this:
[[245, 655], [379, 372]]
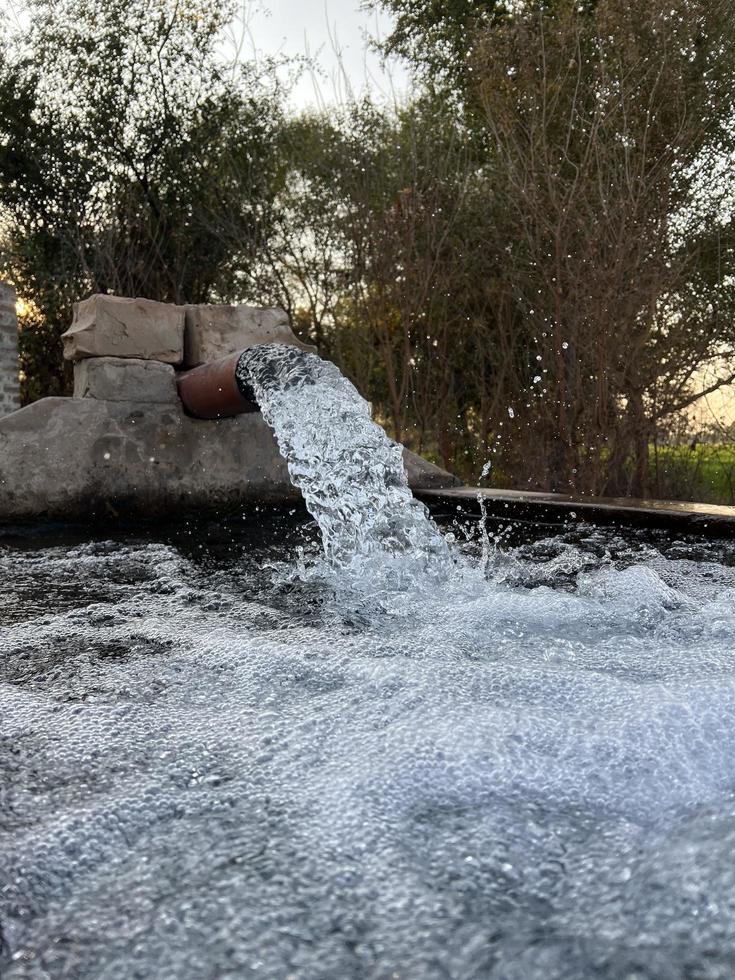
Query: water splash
[[201, 775], [350, 473]]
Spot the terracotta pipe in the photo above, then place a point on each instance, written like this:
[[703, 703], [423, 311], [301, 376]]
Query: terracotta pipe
[[212, 391]]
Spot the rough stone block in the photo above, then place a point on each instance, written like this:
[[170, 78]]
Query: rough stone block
[[216, 331], [112, 326], [125, 379]]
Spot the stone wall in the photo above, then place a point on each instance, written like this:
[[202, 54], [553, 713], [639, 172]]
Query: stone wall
[[124, 444], [9, 383]]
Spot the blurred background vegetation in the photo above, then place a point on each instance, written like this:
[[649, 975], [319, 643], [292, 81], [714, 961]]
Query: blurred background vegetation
[[529, 260]]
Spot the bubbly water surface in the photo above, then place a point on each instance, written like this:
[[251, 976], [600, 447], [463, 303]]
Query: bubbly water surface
[[210, 770]]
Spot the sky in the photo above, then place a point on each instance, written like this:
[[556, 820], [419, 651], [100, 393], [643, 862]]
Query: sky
[[333, 33]]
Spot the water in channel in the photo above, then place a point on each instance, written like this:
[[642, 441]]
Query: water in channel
[[519, 764]]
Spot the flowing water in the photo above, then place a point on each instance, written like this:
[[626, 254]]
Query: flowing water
[[349, 472], [217, 761]]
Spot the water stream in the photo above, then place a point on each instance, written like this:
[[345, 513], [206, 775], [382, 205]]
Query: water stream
[[350, 473]]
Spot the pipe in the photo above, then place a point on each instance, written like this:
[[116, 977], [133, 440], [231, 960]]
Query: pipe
[[212, 391]]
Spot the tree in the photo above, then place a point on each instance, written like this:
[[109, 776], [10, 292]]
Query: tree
[[603, 130], [437, 37], [607, 124], [124, 144], [376, 253]]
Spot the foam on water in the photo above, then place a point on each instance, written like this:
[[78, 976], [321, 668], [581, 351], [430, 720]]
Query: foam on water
[[206, 774]]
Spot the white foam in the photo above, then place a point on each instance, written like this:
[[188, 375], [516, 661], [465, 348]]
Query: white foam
[[203, 773]]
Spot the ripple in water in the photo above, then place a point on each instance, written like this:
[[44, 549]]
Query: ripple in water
[[204, 773]]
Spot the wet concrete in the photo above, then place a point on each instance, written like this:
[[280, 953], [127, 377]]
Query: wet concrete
[[556, 509]]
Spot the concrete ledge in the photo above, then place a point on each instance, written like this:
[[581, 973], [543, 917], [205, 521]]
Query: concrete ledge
[[557, 509], [70, 458]]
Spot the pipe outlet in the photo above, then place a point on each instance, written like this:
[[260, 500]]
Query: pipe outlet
[[212, 391]]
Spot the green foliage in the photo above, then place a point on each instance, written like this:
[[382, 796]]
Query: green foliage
[[43, 372], [699, 472], [436, 37]]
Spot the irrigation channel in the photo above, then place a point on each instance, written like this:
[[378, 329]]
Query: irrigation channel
[[361, 744]]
